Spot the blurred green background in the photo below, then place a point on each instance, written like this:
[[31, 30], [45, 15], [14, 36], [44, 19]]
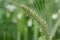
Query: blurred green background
[[15, 24]]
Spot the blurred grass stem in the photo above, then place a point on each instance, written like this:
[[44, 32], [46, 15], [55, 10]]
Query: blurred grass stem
[[54, 30]]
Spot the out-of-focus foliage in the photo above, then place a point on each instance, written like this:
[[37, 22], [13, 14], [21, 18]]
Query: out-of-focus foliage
[[15, 24]]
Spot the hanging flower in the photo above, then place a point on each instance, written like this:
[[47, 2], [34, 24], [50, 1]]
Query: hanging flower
[[14, 20], [40, 30], [31, 1], [19, 15], [11, 8], [29, 23], [7, 15], [42, 38], [59, 11], [54, 16], [57, 1]]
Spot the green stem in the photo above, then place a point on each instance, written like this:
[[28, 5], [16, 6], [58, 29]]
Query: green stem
[[18, 32], [25, 33], [18, 35], [8, 36], [4, 35], [54, 30], [35, 31]]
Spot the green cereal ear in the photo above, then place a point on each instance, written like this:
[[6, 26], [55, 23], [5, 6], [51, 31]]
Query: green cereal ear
[[39, 20]]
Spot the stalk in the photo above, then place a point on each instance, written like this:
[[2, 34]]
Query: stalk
[[25, 33], [35, 36], [8, 36], [4, 35], [18, 35], [54, 30], [18, 32]]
